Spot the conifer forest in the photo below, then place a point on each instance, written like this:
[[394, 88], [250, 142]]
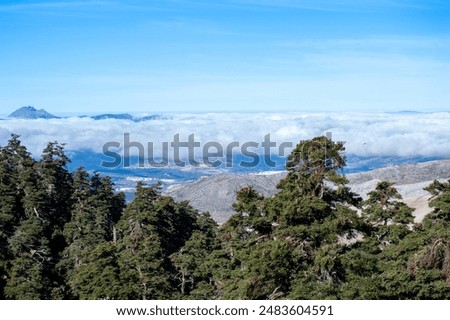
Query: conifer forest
[[71, 235]]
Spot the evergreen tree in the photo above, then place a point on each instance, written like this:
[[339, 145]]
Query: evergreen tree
[[29, 253], [372, 271], [363, 270], [192, 273], [141, 256], [317, 215], [98, 275], [33, 256], [56, 180], [250, 208], [95, 211], [416, 266], [440, 201], [389, 216], [298, 234], [10, 208], [30, 276]]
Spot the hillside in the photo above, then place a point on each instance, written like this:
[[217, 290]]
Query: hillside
[[216, 194]]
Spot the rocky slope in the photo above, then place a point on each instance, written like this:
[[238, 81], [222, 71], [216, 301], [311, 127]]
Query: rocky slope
[[216, 194]]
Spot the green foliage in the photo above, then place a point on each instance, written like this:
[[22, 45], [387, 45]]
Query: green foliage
[[388, 216], [141, 256], [95, 211], [271, 246], [30, 276], [10, 208], [440, 200], [98, 276], [417, 266], [69, 235], [192, 275], [56, 181], [152, 228]]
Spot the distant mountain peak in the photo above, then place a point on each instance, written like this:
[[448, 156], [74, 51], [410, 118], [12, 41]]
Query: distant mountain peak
[[30, 112]]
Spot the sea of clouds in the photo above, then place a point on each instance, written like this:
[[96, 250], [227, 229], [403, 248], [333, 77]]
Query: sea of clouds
[[403, 134]]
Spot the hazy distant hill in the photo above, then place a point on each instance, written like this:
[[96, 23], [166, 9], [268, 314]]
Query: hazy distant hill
[[121, 116], [152, 117], [216, 193], [127, 116], [31, 113]]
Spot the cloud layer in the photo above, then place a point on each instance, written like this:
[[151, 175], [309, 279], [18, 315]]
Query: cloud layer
[[366, 134]]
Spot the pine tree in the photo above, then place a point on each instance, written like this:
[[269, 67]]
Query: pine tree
[[190, 261], [415, 265], [250, 208], [30, 276], [363, 270], [56, 180], [141, 256], [98, 275], [372, 273], [90, 232], [388, 215], [32, 255], [10, 209], [29, 255], [427, 274], [299, 234], [440, 201], [317, 216]]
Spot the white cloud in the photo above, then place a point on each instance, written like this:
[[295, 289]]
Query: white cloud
[[367, 134]]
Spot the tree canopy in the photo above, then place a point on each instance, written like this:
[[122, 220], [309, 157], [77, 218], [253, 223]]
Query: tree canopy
[[71, 235]]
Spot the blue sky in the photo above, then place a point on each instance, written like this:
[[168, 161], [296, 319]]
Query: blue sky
[[228, 55]]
